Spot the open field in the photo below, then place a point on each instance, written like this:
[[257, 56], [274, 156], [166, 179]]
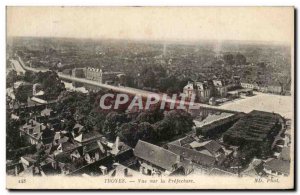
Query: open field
[[282, 105]]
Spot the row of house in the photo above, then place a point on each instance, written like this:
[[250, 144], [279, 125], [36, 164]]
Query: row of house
[[67, 152], [276, 89], [180, 157], [211, 88], [95, 74]]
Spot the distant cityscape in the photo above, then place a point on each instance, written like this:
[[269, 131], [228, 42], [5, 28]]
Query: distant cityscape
[[56, 127]]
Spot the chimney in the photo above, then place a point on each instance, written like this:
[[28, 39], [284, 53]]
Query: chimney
[[126, 172], [117, 142], [103, 170]]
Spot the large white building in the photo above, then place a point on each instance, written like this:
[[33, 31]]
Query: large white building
[[94, 74], [201, 90], [220, 88]]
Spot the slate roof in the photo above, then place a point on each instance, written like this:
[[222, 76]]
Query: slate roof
[[63, 158], [213, 146], [91, 146], [46, 112], [30, 158], [68, 146], [207, 127], [255, 126], [88, 136], [211, 118], [78, 127], [36, 128], [156, 155], [186, 140], [192, 155], [254, 168], [277, 165], [183, 141], [216, 171], [285, 153], [49, 170], [195, 144]]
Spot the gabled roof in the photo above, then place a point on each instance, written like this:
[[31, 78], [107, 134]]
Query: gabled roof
[[216, 171], [254, 168], [46, 112], [192, 155], [285, 153], [277, 165], [68, 146], [176, 142], [63, 140], [218, 83], [156, 155], [31, 158], [186, 140], [212, 118], [189, 86], [63, 158], [49, 170], [196, 144], [213, 146], [78, 127], [91, 146], [88, 136], [201, 86], [183, 141], [36, 127]]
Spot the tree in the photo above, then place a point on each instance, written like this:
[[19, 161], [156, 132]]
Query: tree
[[128, 132], [180, 121], [149, 79], [13, 139], [69, 124], [129, 81], [228, 59], [29, 76], [112, 121], [169, 84], [152, 74], [95, 120], [150, 116], [163, 130], [146, 132], [50, 82], [247, 152], [240, 59], [22, 94], [11, 78]]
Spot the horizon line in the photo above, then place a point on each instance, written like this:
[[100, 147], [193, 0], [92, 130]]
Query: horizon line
[[283, 43]]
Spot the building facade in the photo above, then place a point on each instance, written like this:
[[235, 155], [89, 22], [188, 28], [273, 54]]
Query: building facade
[[94, 74], [201, 90]]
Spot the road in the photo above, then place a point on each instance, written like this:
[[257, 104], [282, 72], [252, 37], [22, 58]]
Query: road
[[17, 66], [122, 89]]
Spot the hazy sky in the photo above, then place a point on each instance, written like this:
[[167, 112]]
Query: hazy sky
[[153, 23]]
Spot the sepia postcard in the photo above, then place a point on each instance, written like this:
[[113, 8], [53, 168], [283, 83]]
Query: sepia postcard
[[150, 98]]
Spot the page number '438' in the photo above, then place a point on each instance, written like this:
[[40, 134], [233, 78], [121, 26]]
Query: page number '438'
[[22, 180]]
